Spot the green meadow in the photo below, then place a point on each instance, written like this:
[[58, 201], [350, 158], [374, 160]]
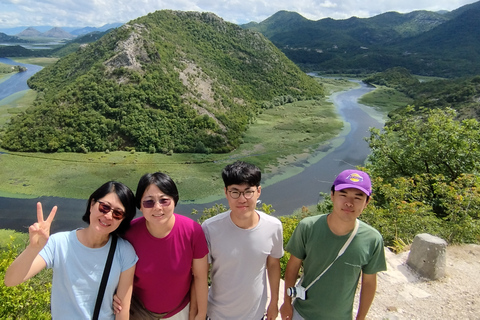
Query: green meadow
[[385, 99], [279, 136]]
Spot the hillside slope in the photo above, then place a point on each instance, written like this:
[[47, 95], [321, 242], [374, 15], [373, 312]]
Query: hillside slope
[[427, 43], [169, 81]]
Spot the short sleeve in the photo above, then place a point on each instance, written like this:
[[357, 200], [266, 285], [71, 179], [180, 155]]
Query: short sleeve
[[128, 257], [377, 263], [277, 249], [296, 244], [200, 247], [207, 238]]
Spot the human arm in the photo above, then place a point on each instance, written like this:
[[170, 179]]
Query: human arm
[[291, 274], [29, 262], [192, 312], [200, 287], [367, 293], [273, 272], [124, 293]]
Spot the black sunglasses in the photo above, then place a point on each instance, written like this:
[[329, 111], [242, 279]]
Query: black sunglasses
[[164, 202], [105, 208]]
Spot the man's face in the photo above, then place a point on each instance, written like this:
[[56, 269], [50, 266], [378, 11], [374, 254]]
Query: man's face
[[348, 203], [242, 198]]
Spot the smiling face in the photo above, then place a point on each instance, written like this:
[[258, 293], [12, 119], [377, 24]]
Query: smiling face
[[241, 206], [161, 213], [348, 204], [104, 222]]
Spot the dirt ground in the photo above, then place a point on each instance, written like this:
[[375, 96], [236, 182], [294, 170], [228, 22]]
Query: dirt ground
[[401, 294]]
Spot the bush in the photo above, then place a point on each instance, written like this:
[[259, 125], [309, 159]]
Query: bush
[[29, 300]]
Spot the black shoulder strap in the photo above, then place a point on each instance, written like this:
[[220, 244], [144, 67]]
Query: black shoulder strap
[[106, 272]]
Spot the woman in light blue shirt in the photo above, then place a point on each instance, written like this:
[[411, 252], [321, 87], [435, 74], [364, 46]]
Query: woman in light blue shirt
[[78, 257]]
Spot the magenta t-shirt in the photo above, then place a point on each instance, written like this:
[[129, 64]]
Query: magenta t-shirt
[[163, 274]]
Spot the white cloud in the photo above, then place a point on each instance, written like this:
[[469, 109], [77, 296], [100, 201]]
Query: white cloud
[[74, 13], [328, 4]]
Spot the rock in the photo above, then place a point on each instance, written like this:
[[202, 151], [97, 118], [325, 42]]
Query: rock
[[428, 256]]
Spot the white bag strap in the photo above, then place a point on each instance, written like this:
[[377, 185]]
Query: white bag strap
[[342, 250]]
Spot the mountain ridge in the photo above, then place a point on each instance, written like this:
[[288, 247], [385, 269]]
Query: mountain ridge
[[169, 81], [365, 45]]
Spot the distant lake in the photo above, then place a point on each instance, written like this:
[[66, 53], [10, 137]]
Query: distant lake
[[316, 174], [36, 45]]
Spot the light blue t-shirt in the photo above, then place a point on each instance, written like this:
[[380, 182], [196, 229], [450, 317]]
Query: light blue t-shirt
[[77, 272]]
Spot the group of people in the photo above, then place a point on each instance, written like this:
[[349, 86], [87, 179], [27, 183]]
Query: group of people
[[162, 260]]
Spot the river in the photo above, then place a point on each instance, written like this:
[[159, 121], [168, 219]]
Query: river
[[346, 151], [18, 81]]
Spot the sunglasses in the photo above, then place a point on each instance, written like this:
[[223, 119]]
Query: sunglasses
[[164, 202], [105, 208]]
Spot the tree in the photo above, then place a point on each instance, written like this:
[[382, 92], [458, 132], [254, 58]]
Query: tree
[[425, 171], [431, 143]]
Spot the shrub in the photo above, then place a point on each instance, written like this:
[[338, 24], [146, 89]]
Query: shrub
[[29, 300]]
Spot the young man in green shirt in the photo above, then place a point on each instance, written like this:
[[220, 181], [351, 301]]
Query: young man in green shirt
[[316, 242]]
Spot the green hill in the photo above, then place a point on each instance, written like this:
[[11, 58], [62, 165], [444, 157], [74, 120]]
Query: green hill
[[461, 94], [76, 43], [427, 43], [169, 81]]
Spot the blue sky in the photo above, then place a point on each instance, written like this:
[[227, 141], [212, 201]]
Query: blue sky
[[96, 13]]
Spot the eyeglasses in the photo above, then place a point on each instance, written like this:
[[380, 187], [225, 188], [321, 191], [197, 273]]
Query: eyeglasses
[[105, 208], [164, 202], [248, 194]]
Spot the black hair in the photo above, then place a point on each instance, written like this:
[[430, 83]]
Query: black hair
[[241, 172], [126, 198], [333, 191], [162, 181]]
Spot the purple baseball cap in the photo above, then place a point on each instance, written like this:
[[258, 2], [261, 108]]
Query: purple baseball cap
[[353, 179]]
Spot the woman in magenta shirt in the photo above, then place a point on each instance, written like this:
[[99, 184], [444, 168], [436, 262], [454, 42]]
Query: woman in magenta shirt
[[172, 252]]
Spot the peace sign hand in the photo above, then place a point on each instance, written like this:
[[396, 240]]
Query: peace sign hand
[[39, 232]]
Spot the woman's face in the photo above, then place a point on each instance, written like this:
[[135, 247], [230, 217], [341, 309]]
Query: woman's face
[[107, 213], [156, 206]]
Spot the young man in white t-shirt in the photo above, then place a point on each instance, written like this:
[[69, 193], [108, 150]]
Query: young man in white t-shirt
[[245, 245]]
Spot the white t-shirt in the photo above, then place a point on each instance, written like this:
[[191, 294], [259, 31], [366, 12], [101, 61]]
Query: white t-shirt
[[238, 257], [77, 272]]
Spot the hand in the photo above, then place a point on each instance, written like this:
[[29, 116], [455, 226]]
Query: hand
[[272, 311], [286, 311], [39, 232], [117, 304]]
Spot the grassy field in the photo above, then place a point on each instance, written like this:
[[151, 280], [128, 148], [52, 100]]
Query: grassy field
[[41, 61], [333, 85], [385, 99], [19, 101], [5, 71], [279, 136], [15, 104]]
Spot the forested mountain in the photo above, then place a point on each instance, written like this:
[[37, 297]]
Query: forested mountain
[[73, 45], [424, 42], [169, 81], [461, 94], [289, 29], [6, 38]]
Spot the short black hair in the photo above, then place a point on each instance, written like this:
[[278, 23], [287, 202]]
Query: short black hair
[[126, 198], [241, 172], [162, 181]]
